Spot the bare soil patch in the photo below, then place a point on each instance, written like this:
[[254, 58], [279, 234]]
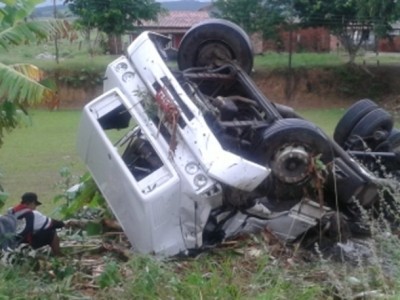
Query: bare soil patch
[[331, 87], [304, 88]]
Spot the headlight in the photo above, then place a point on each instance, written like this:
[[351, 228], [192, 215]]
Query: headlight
[[128, 76], [121, 67], [200, 180], [191, 168]]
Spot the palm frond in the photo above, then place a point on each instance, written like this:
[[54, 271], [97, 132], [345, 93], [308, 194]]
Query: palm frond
[[20, 85], [29, 70], [13, 11], [32, 31]]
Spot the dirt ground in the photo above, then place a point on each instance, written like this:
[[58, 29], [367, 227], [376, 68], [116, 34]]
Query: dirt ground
[[325, 88], [305, 88]]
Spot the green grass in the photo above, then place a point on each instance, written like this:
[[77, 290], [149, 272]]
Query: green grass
[[326, 119], [73, 55], [378, 59], [245, 269], [32, 156], [273, 60]]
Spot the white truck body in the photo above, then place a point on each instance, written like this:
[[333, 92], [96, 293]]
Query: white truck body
[[166, 211]]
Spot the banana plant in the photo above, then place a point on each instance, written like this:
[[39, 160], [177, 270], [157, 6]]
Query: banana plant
[[20, 84]]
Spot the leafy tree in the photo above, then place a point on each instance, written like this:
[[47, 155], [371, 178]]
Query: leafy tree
[[350, 20], [113, 17], [255, 15]]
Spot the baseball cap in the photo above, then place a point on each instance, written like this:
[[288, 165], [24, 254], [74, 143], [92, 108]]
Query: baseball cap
[[30, 198]]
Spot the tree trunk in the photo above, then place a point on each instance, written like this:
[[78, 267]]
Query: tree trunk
[[351, 46], [352, 57], [347, 45], [88, 42], [114, 44]]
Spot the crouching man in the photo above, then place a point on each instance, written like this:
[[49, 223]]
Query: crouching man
[[33, 227]]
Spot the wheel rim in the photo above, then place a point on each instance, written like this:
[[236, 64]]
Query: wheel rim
[[215, 53], [291, 164]]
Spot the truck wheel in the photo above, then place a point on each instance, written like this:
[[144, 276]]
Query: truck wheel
[[351, 117], [391, 144], [374, 127], [394, 141], [288, 147], [214, 43]]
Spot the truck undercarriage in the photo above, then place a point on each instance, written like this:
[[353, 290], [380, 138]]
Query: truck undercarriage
[[190, 157]]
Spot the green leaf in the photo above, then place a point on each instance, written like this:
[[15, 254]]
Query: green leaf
[[94, 228], [3, 197]]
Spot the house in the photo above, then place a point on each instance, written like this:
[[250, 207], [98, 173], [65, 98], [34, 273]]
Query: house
[[308, 39], [392, 42], [173, 24], [372, 42]]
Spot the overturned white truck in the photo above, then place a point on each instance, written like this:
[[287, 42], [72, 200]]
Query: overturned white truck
[[188, 158]]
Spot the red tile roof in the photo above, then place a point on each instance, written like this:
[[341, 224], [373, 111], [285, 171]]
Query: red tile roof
[[177, 20]]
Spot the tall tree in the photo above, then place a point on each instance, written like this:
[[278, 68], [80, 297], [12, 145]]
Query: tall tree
[[254, 15], [113, 17], [350, 20]]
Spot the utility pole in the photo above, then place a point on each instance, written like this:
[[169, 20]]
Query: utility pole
[[56, 34], [290, 77]]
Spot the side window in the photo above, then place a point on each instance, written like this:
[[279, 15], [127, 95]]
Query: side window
[[137, 153]]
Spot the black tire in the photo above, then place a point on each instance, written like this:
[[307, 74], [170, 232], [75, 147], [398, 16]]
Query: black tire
[[286, 133], [394, 140], [214, 42], [392, 143], [378, 120], [350, 118]]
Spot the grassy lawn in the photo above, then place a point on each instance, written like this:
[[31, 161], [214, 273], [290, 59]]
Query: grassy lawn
[[272, 60], [32, 156], [74, 56], [324, 118]]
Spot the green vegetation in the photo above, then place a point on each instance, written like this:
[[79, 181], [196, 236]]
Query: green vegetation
[[326, 119], [32, 158], [73, 55], [33, 155], [114, 18], [22, 84], [350, 21], [266, 16], [246, 268], [274, 60]]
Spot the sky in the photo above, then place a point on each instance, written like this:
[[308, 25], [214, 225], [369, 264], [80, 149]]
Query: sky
[[50, 2]]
